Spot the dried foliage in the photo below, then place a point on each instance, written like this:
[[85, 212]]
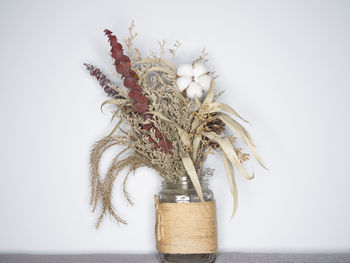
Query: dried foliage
[[167, 131]]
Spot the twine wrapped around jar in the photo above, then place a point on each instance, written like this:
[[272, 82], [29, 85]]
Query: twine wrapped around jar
[[186, 228]]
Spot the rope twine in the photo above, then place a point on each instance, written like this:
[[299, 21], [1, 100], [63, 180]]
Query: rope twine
[[186, 228]]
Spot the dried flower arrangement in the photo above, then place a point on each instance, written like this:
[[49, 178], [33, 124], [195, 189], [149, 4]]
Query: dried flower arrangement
[[173, 119]]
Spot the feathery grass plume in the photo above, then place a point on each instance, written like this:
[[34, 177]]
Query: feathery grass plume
[[166, 130]]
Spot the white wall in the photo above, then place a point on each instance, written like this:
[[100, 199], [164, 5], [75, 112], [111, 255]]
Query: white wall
[[285, 66]]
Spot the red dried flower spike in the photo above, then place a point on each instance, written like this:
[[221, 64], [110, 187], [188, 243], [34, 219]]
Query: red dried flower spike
[[131, 74], [141, 99], [155, 144], [123, 67], [133, 94], [141, 107], [130, 83], [165, 144], [147, 126], [158, 134], [103, 80]]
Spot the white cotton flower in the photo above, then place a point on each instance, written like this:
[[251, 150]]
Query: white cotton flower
[[199, 69], [185, 70], [205, 81], [194, 90], [183, 82], [193, 79]]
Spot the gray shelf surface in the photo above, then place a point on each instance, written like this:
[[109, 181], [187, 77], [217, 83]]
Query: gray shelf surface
[[150, 258]]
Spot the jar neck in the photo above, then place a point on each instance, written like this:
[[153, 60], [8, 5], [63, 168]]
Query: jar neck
[[185, 183]]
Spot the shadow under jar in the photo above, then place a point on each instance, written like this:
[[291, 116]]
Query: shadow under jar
[[186, 230]]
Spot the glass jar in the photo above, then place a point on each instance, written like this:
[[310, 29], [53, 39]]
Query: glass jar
[[184, 192]]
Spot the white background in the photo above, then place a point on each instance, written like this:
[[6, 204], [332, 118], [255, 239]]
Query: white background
[[285, 67]]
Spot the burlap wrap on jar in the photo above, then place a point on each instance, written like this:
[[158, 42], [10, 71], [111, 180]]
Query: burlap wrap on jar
[[186, 228]]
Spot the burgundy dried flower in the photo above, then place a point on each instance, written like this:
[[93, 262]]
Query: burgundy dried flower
[[158, 134], [141, 107], [107, 32], [147, 126], [141, 99], [103, 80], [134, 93], [165, 144], [155, 144], [137, 88], [123, 66], [125, 59], [130, 83], [131, 74]]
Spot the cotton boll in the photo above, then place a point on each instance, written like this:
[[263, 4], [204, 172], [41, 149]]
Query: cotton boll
[[199, 69], [194, 90], [183, 82], [185, 70], [205, 81]]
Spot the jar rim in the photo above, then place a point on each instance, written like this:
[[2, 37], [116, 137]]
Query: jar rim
[[186, 182]]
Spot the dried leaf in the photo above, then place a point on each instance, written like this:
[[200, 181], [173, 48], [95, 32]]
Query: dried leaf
[[206, 103], [196, 141], [231, 180], [185, 138], [191, 171], [117, 102], [228, 149], [198, 102], [242, 133], [218, 107], [210, 96]]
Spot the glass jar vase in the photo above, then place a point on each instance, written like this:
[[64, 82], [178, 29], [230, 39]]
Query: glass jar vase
[[192, 235]]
